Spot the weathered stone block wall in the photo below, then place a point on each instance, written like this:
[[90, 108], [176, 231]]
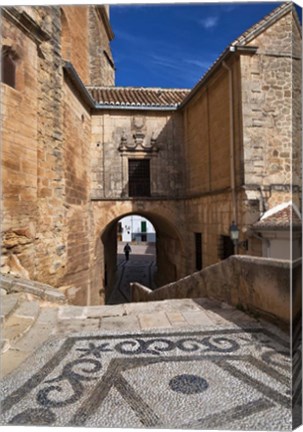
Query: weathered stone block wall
[[102, 69], [19, 108], [267, 106], [75, 39], [86, 44], [35, 148], [77, 136], [296, 166], [110, 165], [50, 242]]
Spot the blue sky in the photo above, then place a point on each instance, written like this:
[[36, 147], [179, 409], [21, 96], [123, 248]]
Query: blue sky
[[173, 45]]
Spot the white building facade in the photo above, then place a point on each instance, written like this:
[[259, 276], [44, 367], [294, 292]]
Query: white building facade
[[136, 229]]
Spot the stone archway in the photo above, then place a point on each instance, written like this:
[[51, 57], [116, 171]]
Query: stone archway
[[169, 252]]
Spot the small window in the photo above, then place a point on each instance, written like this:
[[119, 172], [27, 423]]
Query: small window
[[198, 250], [8, 67], [226, 247], [139, 178]]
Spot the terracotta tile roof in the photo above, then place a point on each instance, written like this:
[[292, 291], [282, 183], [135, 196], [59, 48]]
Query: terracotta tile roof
[[137, 96], [280, 217]]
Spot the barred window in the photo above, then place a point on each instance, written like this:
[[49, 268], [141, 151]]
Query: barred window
[[8, 66], [139, 177]]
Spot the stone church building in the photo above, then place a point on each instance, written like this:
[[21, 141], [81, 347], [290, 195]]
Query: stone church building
[[79, 154]]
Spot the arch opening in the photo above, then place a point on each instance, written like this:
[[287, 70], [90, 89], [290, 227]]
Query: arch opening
[[156, 255]]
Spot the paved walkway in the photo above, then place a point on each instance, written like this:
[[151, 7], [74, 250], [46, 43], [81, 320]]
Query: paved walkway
[[193, 364], [140, 268]]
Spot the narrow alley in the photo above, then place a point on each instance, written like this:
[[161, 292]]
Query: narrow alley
[[140, 267]]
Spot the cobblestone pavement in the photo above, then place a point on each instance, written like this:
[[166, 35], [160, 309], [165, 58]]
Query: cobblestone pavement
[[211, 374], [140, 268], [183, 364]]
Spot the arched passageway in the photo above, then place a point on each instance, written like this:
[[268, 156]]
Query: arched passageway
[[136, 257], [168, 252]]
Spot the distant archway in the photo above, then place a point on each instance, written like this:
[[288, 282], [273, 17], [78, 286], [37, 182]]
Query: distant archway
[[168, 251]]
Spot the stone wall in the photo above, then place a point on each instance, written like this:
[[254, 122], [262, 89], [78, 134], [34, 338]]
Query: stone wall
[[86, 43], [207, 134], [77, 136], [213, 200], [266, 104], [257, 285], [19, 155], [34, 222], [267, 100], [102, 68], [110, 156], [46, 158], [50, 243], [75, 39], [296, 156], [211, 215]]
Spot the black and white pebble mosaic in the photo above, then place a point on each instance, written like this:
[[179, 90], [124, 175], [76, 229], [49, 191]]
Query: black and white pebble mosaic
[[203, 379]]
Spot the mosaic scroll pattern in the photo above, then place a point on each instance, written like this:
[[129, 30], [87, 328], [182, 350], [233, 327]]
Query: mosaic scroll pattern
[[218, 379]]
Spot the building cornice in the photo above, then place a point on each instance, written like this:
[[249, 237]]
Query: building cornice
[[25, 23]]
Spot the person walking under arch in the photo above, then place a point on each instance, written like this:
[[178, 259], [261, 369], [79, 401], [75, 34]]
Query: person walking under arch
[[127, 250]]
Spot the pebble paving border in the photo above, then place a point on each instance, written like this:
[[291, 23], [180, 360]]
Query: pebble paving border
[[80, 372]]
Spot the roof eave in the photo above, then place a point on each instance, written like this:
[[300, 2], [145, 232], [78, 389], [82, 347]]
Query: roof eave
[[258, 28], [73, 76], [277, 227], [229, 51], [137, 107]]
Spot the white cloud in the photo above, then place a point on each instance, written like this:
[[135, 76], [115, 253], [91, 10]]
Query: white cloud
[[209, 22], [200, 64]]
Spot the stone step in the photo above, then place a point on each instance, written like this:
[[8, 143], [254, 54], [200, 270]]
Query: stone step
[[41, 330], [19, 323], [9, 304], [40, 290]]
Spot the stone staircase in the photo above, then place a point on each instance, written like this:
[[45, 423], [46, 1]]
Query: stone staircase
[[26, 323], [28, 320], [18, 314]]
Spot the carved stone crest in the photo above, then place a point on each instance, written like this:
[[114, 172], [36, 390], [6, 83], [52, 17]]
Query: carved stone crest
[[138, 122], [139, 142]]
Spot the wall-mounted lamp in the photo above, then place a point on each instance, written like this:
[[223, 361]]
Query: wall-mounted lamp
[[234, 235]]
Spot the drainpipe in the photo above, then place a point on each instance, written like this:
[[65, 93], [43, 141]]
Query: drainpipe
[[231, 143]]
